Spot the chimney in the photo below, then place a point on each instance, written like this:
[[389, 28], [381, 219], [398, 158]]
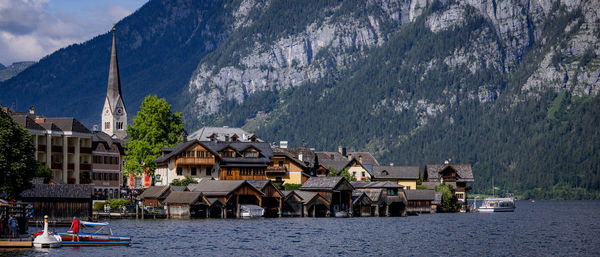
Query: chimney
[[360, 158], [32, 110], [300, 157], [283, 144], [349, 156], [226, 138], [342, 150]]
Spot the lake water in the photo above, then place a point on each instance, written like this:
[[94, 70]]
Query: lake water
[[543, 228]]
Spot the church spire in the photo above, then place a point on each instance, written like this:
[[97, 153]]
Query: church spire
[[114, 116], [114, 81]]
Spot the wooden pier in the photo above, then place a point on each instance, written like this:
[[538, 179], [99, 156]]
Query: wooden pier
[[23, 242]]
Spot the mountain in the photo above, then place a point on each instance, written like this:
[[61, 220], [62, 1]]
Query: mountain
[[13, 69], [510, 86], [159, 46]]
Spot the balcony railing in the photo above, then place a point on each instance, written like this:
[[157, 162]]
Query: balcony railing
[[195, 161], [57, 148], [276, 170], [41, 148]]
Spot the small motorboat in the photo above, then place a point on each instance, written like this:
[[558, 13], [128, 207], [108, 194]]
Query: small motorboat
[[494, 204], [47, 239], [98, 238], [251, 211]]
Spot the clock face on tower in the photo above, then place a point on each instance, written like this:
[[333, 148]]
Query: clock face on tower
[[119, 111]]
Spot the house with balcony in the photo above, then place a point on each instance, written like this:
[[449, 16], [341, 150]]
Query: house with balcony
[[457, 175], [213, 160], [62, 144], [286, 168], [107, 165]]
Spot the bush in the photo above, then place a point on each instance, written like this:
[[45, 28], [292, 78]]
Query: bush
[[183, 182], [291, 187], [116, 203], [99, 206], [449, 199]]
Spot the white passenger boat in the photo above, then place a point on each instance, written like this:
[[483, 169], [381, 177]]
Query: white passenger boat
[[251, 211], [498, 205]]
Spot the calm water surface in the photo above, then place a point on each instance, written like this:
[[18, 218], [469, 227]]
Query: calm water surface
[[542, 228]]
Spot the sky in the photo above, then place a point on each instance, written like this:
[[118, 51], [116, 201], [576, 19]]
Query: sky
[[32, 29]]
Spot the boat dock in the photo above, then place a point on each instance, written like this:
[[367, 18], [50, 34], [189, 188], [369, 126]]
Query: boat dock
[[22, 242]]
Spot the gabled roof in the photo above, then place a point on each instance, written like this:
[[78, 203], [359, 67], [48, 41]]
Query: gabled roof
[[308, 197], [373, 193], [219, 188], [337, 165], [180, 148], [308, 155], [221, 132], [100, 137], [59, 191], [376, 184], [361, 198], [396, 172], [279, 152], [325, 183], [68, 124], [154, 192], [420, 195], [367, 158], [186, 198], [463, 171]]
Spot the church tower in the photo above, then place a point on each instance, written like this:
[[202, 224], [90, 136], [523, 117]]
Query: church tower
[[114, 116]]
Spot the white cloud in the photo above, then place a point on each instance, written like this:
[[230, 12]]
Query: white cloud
[[29, 31]]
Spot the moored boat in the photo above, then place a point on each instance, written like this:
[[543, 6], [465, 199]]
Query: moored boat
[[96, 238], [495, 204]]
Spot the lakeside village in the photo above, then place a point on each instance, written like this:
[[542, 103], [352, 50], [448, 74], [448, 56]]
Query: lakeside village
[[231, 173]]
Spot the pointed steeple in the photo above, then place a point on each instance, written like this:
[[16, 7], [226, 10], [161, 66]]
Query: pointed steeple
[[114, 81]]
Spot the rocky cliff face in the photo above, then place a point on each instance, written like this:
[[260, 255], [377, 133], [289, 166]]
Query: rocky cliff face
[[13, 69], [335, 40]]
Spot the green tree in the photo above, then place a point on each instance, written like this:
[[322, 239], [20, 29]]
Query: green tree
[[344, 173], [17, 157], [154, 127], [449, 199], [43, 171], [183, 182]]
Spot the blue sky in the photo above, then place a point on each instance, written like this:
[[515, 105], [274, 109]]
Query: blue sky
[[32, 29]]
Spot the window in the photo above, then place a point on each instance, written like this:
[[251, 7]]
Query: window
[[106, 125], [208, 171], [363, 174], [280, 163], [460, 195], [251, 154], [179, 171], [392, 191], [228, 171], [120, 125], [193, 170], [106, 160]]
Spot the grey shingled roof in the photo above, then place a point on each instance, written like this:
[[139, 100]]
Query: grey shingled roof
[[396, 172], [360, 197], [308, 196], [154, 192], [308, 155], [279, 152], [463, 171], [218, 188], [100, 137], [178, 188], [68, 124], [322, 183], [337, 165], [205, 132], [71, 191], [367, 158], [376, 184], [373, 193], [420, 195], [184, 197]]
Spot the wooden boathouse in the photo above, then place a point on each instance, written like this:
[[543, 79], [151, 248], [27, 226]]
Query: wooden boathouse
[[231, 193], [337, 190], [61, 202], [187, 205]]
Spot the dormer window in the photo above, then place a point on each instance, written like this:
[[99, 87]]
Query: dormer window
[[251, 154]]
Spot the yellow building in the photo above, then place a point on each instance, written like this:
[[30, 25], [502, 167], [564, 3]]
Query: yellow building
[[403, 175], [287, 169]]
